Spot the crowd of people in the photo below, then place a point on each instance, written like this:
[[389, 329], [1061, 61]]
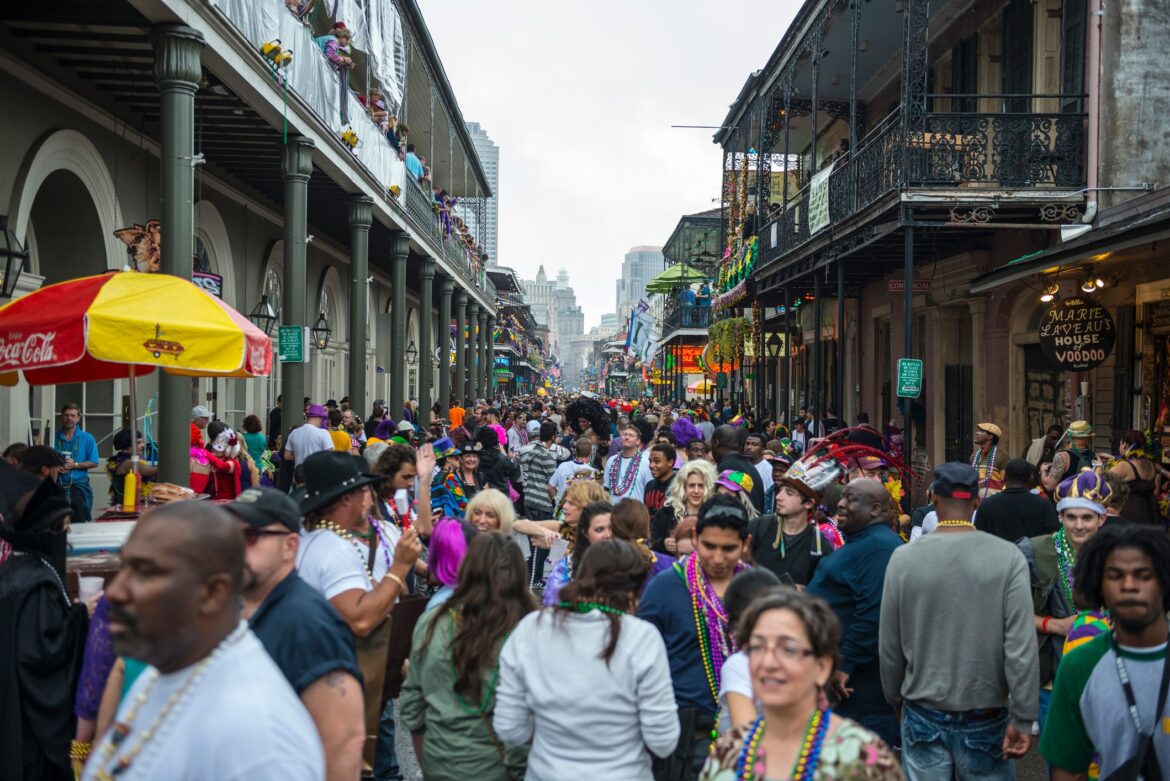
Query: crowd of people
[[578, 587]]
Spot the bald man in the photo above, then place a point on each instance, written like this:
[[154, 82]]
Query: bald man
[[213, 704], [851, 582]]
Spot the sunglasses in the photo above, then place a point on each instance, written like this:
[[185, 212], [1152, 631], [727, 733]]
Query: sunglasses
[[252, 536]]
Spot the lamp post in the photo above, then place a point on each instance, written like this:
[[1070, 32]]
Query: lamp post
[[263, 316], [12, 259], [320, 332], [412, 354]]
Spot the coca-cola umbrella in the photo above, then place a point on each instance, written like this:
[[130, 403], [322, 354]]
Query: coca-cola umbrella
[[126, 323]]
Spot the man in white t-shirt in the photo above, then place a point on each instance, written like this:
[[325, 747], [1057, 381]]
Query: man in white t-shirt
[[304, 441], [362, 582], [213, 704], [627, 472], [560, 477]]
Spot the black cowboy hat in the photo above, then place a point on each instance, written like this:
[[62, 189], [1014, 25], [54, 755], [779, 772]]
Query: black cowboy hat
[[330, 475]]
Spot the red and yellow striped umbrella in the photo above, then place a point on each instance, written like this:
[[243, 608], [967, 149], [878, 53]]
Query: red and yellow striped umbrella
[[104, 327]]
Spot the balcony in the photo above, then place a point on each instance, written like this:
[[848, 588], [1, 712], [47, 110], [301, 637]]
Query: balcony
[[686, 316], [313, 83], [954, 152]]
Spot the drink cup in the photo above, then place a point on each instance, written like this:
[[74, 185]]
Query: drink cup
[[88, 586]]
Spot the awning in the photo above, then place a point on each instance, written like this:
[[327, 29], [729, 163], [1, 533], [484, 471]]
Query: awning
[[1092, 247]]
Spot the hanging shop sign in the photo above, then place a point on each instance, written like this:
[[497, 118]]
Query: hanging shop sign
[[1077, 333], [1158, 317]]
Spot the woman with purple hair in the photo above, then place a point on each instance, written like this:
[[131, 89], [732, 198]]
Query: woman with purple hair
[[448, 546]]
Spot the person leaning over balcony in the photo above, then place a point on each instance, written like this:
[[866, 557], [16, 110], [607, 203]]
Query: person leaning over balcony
[[335, 45], [413, 163]]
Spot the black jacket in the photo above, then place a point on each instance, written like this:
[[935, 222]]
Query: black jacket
[[496, 469]]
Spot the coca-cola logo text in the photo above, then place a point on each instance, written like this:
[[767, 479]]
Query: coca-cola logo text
[[33, 350]]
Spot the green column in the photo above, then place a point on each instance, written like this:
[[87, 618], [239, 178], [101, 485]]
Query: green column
[[426, 346], [472, 361], [296, 166], [177, 72], [485, 361], [399, 249], [361, 215], [446, 287], [460, 389]]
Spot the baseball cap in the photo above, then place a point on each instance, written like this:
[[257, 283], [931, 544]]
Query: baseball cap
[[405, 426], [200, 412], [259, 507], [956, 480], [735, 481]]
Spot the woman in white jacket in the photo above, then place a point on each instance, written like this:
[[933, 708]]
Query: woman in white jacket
[[586, 681]]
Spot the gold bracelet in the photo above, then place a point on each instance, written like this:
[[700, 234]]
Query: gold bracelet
[[401, 583], [79, 751]]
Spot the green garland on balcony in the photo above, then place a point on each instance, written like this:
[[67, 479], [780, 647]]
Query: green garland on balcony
[[727, 337]]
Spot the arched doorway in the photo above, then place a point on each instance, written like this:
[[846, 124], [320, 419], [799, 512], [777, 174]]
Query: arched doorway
[[69, 243]]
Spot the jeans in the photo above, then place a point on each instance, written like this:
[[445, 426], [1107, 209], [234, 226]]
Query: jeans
[[385, 758], [939, 747], [80, 495]]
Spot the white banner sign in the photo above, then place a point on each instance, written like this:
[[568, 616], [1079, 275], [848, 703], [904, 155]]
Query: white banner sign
[[818, 199]]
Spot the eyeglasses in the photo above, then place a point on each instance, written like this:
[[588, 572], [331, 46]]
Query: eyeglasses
[[252, 536], [789, 652]]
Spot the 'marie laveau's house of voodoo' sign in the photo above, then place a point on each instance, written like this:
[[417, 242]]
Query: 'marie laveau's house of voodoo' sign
[[1077, 333]]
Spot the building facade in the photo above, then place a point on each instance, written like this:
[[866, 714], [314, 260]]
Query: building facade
[[944, 183], [489, 157], [258, 184]]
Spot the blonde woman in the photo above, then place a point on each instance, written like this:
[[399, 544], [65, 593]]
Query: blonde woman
[[692, 485], [491, 511]]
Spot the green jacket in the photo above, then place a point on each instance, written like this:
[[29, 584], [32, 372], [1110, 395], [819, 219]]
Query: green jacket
[[456, 744]]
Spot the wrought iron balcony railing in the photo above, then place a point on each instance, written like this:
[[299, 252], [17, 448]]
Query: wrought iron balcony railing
[[962, 150], [686, 316]]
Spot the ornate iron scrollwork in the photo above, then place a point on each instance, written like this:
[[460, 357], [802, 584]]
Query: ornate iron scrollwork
[[972, 215], [1060, 212]]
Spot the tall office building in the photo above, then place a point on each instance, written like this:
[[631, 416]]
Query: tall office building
[[554, 304], [489, 158], [640, 266]]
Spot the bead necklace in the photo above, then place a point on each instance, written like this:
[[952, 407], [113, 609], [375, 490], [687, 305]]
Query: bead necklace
[[750, 764], [711, 626], [396, 517], [585, 607], [1066, 560], [51, 568], [383, 543], [347, 535], [977, 462], [615, 471], [954, 522], [485, 701], [122, 729]]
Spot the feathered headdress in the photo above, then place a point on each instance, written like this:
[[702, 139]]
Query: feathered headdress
[[592, 411], [828, 459]]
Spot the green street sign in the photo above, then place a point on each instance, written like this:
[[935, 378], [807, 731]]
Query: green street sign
[[292, 343], [721, 380], [909, 378]]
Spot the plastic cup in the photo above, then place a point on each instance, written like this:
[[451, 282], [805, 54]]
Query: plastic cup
[[89, 586]]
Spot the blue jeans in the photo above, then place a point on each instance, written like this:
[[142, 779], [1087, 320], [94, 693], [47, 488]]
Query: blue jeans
[[385, 758], [941, 747], [80, 495]]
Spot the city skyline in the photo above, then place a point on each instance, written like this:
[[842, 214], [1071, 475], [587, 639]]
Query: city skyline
[[597, 167]]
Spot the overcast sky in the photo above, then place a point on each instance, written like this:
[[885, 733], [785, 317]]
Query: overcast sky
[[580, 98]]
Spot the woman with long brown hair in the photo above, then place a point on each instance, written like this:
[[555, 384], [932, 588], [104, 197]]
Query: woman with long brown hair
[[587, 681], [630, 521], [449, 695], [593, 525]]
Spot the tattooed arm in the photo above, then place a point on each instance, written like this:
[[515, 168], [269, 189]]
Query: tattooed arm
[[334, 701]]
